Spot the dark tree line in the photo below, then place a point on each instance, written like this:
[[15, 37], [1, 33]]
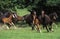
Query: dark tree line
[[48, 5]]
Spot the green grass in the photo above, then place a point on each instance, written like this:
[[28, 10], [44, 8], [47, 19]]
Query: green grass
[[27, 33]]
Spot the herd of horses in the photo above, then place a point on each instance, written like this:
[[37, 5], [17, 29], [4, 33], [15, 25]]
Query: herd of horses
[[10, 18], [46, 20]]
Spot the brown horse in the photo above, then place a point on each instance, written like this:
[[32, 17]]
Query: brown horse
[[47, 20], [53, 16], [29, 20], [18, 18], [8, 20], [36, 21]]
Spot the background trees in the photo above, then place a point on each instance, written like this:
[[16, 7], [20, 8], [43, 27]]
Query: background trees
[[48, 5]]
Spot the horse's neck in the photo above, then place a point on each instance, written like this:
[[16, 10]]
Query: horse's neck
[[10, 17], [34, 17]]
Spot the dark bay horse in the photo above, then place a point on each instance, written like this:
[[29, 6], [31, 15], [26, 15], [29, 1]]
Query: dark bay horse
[[47, 20], [28, 19], [53, 16]]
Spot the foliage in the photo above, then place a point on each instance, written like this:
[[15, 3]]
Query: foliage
[[11, 4]]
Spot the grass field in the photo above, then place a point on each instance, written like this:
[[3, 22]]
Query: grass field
[[27, 33]]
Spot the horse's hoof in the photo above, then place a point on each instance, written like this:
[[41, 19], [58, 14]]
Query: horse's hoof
[[15, 27], [47, 31], [7, 27], [32, 29], [40, 31], [52, 30]]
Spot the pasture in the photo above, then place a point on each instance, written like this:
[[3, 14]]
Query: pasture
[[27, 33]]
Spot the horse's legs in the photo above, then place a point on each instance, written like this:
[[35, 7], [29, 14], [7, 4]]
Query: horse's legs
[[13, 25], [47, 28], [7, 26], [33, 27], [43, 26], [38, 28], [51, 27], [54, 24]]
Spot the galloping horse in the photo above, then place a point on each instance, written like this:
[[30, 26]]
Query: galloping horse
[[32, 20], [53, 16], [17, 19], [28, 19], [8, 20], [47, 20], [35, 21]]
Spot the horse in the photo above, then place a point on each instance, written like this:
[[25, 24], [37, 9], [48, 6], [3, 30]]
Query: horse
[[47, 20], [17, 19], [8, 20], [36, 21], [53, 16], [28, 19], [31, 21]]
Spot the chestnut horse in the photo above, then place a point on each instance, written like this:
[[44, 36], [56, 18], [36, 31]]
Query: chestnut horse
[[8, 20]]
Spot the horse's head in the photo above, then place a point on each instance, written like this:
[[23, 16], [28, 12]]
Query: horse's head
[[33, 12], [53, 16], [14, 15], [1, 13], [43, 13]]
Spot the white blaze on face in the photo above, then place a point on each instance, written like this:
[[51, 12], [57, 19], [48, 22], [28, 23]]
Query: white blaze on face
[[42, 13], [54, 17], [34, 12], [13, 16]]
